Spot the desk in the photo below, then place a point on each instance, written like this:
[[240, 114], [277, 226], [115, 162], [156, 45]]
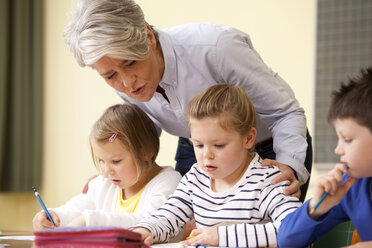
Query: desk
[[6, 242], [16, 243], [22, 239], [178, 245], [27, 241]]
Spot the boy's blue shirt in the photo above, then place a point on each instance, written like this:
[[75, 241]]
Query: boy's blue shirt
[[299, 230]]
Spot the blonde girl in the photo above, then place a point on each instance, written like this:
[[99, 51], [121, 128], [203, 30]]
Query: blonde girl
[[227, 191]]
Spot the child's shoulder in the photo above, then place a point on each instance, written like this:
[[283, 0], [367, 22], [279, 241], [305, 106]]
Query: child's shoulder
[[99, 180], [169, 171], [166, 180], [256, 168], [167, 175], [100, 184], [263, 175]]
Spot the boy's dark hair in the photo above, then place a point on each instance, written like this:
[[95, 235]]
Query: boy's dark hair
[[354, 100]]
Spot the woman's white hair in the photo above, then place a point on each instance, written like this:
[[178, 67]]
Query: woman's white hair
[[114, 28]]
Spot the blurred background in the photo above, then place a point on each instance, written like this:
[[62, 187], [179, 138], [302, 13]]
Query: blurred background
[[313, 45]]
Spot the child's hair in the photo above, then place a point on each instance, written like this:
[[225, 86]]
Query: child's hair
[[227, 101], [132, 127], [354, 100]]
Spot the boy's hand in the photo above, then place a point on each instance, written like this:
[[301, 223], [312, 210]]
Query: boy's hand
[[207, 236], [41, 221], [145, 235], [331, 183], [79, 221], [286, 173]]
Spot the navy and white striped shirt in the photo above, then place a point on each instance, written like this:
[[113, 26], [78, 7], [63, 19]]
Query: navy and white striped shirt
[[247, 215]]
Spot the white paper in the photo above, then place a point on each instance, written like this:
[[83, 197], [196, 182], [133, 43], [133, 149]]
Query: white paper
[[171, 245], [31, 237]]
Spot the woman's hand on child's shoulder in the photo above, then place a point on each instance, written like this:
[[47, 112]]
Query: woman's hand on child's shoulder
[[41, 221], [145, 235], [86, 185], [207, 236], [286, 173]]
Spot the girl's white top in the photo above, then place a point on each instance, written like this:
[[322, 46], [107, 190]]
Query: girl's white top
[[98, 204]]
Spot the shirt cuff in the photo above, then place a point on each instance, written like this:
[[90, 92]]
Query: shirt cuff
[[89, 220], [222, 235], [310, 220], [302, 173]]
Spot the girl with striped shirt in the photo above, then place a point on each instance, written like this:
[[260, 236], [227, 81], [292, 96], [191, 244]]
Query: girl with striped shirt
[[227, 191]]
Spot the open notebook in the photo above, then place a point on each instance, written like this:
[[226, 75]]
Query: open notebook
[[94, 236]]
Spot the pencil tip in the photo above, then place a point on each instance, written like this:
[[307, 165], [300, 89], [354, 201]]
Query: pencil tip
[[312, 211]]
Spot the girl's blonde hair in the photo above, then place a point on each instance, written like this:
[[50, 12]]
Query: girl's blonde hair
[[228, 102], [133, 128]]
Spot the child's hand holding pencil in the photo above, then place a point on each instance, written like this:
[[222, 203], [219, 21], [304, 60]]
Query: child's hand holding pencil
[[45, 218], [329, 192], [41, 220]]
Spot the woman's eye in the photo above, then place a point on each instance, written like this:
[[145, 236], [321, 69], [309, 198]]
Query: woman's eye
[[219, 145], [347, 140], [131, 63], [112, 76], [198, 145], [116, 161]]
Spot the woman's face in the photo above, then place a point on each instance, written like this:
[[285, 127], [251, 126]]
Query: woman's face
[[137, 79]]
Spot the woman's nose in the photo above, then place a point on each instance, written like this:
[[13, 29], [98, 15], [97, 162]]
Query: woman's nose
[[128, 80]]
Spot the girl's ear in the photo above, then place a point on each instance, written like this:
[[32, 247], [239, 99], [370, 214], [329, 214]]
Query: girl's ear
[[148, 156], [250, 138]]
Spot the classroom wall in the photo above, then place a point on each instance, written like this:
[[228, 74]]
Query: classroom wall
[[283, 32]]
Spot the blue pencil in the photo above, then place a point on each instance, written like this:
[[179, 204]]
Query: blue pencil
[[318, 203], [322, 198], [42, 204]]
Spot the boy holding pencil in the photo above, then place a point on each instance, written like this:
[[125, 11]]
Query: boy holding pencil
[[349, 184]]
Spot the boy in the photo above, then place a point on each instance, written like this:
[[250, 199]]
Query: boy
[[350, 195]]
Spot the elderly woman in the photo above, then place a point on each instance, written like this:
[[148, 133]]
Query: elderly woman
[[162, 70]]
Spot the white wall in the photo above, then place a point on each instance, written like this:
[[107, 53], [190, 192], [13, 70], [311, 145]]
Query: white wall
[[283, 32]]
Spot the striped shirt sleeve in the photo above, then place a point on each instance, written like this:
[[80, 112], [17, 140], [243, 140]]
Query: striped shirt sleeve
[[273, 206], [247, 214], [170, 218]]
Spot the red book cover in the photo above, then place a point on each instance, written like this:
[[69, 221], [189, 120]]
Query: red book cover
[[94, 236]]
